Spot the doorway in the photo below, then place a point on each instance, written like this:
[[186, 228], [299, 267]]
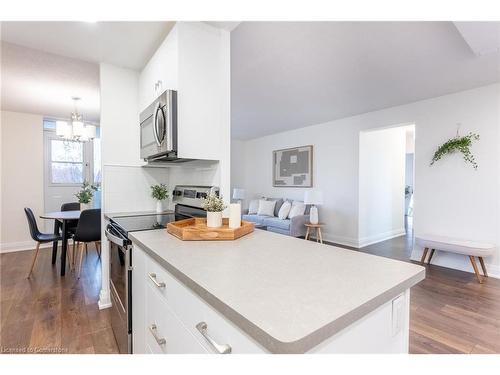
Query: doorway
[[67, 164], [409, 178], [386, 185]]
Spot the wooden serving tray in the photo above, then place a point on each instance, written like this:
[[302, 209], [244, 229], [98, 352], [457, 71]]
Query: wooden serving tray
[[195, 229]]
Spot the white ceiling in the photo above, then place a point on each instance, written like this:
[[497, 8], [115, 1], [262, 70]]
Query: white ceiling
[[482, 37], [44, 64], [125, 44], [43, 83], [286, 75]]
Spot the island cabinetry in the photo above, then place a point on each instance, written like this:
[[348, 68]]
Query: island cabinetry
[[169, 318], [240, 297], [165, 333]]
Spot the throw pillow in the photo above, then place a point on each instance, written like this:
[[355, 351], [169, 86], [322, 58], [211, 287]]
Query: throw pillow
[[298, 208], [284, 210], [266, 208], [279, 202], [253, 207]]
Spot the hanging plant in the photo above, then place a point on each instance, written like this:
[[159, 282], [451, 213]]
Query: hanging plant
[[458, 144]]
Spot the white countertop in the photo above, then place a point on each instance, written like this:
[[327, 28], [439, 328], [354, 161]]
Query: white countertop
[[288, 294]]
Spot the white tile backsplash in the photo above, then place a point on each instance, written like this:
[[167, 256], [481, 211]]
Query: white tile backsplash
[[127, 188]]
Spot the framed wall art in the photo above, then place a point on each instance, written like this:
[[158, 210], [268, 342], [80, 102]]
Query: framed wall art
[[292, 167]]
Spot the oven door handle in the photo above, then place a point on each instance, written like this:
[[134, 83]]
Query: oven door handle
[[115, 239]]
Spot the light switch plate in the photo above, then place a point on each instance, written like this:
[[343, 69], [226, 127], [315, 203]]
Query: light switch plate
[[398, 304]]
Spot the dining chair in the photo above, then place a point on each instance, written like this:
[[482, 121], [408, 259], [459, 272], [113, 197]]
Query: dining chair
[[71, 224], [73, 206], [88, 230], [38, 236]]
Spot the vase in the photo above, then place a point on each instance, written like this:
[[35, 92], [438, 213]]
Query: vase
[[214, 219], [85, 206], [313, 215], [159, 207]]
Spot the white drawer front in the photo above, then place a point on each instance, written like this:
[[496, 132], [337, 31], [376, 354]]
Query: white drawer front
[[158, 279], [165, 332], [192, 310]]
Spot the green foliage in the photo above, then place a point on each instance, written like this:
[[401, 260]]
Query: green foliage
[[458, 144], [212, 203], [159, 192], [86, 192]]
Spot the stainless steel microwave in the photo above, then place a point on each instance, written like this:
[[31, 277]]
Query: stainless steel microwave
[[159, 128]]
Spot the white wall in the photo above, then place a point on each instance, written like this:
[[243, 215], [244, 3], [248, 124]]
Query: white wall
[[126, 185], [450, 197], [382, 160], [21, 177], [238, 173], [119, 116]]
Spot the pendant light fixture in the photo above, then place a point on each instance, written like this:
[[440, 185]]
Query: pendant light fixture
[[76, 130]]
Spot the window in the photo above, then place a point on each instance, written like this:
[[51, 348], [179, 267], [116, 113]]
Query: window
[[66, 162], [49, 124]]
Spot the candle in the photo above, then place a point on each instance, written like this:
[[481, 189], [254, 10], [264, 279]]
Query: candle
[[234, 215]]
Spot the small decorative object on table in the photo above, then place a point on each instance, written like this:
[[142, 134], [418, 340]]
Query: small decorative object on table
[[313, 197], [160, 193], [85, 195], [234, 215], [214, 205]]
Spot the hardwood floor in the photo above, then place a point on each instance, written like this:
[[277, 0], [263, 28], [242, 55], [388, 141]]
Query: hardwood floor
[[49, 313], [450, 312]]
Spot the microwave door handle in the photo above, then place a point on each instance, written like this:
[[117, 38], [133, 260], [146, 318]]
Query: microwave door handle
[[168, 122], [155, 126], [164, 131]]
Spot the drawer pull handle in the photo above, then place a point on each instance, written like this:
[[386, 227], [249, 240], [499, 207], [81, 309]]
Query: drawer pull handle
[[152, 276], [221, 349], [159, 341]]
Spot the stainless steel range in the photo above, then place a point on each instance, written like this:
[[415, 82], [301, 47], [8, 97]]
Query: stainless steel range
[[188, 203]]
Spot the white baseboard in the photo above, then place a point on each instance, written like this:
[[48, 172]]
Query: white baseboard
[[370, 240], [362, 242], [455, 261], [11, 247], [341, 240], [104, 299]]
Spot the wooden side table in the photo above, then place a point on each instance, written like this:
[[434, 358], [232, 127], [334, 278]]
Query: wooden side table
[[310, 227]]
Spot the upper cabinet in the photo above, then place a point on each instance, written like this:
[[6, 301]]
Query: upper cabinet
[[194, 59], [161, 72]]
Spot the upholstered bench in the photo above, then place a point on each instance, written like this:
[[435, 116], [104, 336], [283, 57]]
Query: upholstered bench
[[469, 248]]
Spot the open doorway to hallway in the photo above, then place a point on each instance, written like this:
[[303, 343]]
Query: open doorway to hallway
[[409, 178], [386, 187]]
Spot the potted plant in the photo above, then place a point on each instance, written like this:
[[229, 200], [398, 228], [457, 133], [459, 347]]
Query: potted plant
[[85, 195], [458, 144], [160, 193], [214, 205]]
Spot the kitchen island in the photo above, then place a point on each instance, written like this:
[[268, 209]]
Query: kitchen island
[[266, 292]]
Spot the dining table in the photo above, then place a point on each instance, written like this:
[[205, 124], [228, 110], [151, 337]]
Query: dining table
[[61, 218]]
